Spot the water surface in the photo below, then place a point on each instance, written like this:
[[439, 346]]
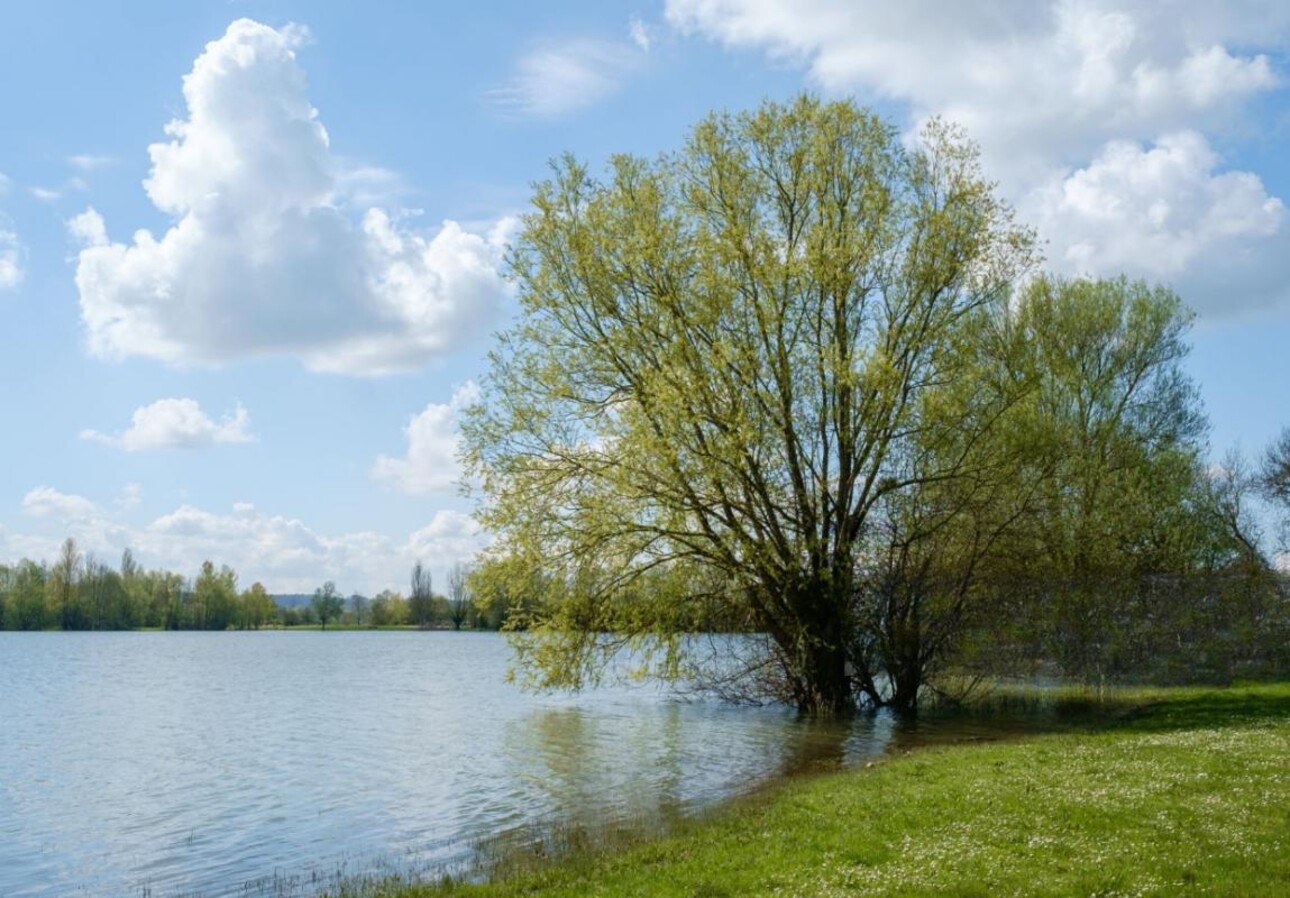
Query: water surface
[[159, 764]]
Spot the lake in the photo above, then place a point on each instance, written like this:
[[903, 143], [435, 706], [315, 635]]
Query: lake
[[158, 764]]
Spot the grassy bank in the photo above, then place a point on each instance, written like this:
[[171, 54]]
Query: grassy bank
[[1176, 792]]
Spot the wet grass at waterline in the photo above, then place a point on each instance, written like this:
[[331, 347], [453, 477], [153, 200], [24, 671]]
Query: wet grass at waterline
[[1153, 792]]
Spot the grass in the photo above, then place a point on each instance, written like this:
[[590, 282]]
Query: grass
[[1174, 792]]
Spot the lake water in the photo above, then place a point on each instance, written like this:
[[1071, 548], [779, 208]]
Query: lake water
[[157, 764]]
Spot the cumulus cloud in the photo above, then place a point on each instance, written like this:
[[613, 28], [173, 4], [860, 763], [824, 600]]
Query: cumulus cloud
[[1056, 77], [88, 228], [1070, 100], [450, 534], [283, 553], [266, 255], [47, 502], [1162, 211], [66, 514], [558, 78], [176, 424], [430, 463]]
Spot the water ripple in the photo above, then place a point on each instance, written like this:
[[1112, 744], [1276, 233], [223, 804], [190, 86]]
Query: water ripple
[[237, 763]]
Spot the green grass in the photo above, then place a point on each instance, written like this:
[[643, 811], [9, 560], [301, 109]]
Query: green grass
[[1176, 792]]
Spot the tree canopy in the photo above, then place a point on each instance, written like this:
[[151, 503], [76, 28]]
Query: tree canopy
[[722, 354], [802, 378]]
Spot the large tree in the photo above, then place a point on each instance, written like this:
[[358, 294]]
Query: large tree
[[1116, 426], [722, 356]]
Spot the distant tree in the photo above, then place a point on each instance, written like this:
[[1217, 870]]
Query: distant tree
[[388, 609], [170, 599], [421, 599], [378, 609], [26, 607], [104, 598], [63, 582], [327, 604], [459, 603], [215, 600], [134, 585], [257, 607], [358, 608]]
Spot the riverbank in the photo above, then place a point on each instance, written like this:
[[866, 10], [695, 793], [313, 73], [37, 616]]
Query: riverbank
[[1182, 791]]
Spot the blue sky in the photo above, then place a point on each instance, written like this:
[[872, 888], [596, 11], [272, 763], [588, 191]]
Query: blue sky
[[269, 376]]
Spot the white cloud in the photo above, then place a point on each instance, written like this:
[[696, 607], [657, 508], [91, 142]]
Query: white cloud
[[641, 34], [264, 257], [62, 515], [556, 79], [54, 194], [430, 464], [449, 535], [11, 253], [1161, 212], [47, 502], [1057, 77], [11, 250], [88, 229], [176, 424], [88, 162], [1061, 95], [283, 553]]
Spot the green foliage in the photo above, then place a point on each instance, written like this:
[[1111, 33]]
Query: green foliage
[[720, 354], [388, 609], [22, 595], [79, 592], [214, 600], [257, 608], [800, 379], [327, 604]]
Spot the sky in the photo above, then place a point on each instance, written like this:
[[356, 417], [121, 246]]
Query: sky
[[251, 253]]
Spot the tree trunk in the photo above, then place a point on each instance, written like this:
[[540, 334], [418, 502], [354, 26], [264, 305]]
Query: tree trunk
[[823, 687], [905, 668]]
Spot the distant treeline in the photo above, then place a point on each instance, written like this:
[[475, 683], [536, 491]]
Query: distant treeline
[[78, 591]]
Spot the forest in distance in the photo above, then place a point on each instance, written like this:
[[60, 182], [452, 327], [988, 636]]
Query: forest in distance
[[80, 592]]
